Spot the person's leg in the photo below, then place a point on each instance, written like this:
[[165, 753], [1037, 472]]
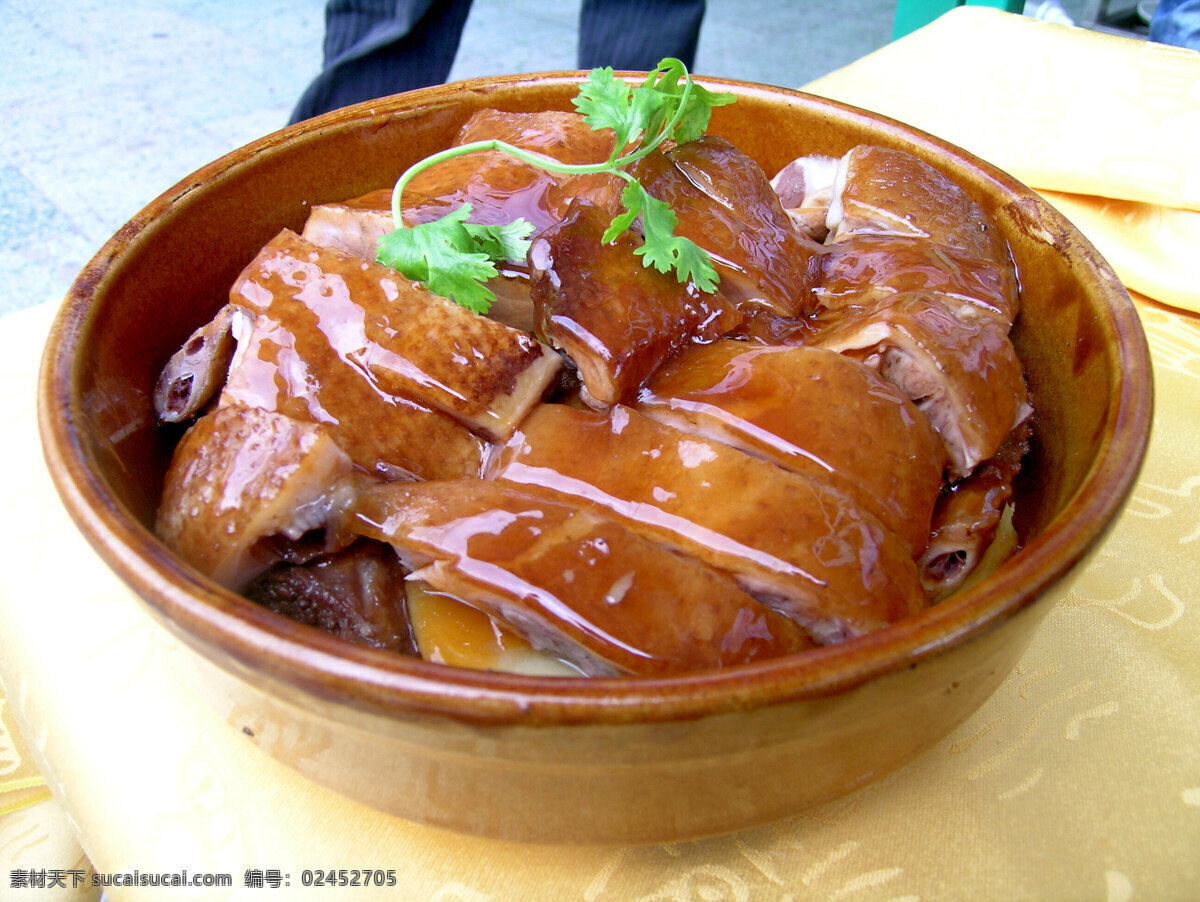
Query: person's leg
[[1177, 22], [378, 47], [637, 34]]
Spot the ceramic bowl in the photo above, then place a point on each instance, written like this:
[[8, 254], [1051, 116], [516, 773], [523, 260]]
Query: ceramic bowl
[[578, 760]]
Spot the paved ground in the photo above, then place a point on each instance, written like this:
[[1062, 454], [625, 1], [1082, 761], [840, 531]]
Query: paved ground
[[106, 105]]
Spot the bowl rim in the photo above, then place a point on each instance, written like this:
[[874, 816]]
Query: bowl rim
[[259, 644]]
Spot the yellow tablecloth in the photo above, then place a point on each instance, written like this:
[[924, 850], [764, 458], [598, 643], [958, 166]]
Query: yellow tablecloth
[[1079, 779]]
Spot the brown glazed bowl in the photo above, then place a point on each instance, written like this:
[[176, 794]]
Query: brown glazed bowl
[[558, 759]]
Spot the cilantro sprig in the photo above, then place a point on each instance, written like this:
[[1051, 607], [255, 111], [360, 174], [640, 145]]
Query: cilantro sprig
[[454, 257]]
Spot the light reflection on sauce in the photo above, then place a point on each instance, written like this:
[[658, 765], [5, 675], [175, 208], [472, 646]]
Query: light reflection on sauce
[[638, 512], [486, 565], [450, 632]]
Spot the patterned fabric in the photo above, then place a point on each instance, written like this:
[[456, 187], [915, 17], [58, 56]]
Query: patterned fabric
[[21, 782]]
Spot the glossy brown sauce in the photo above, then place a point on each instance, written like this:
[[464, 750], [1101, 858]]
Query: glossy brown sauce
[[867, 269], [626, 603], [450, 632], [726, 204], [889, 191], [616, 319], [502, 189], [814, 412], [800, 542], [710, 479]]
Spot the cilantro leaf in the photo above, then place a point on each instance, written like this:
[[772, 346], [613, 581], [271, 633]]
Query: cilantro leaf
[[664, 82], [502, 242], [453, 257], [632, 197], [604, 101], [668, 104], [689, 104], [697, 111], [662, 248]]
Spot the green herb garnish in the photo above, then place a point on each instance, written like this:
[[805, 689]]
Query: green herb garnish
[[453, 257]]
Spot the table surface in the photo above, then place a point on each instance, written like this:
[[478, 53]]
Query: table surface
[[1078, 779]]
